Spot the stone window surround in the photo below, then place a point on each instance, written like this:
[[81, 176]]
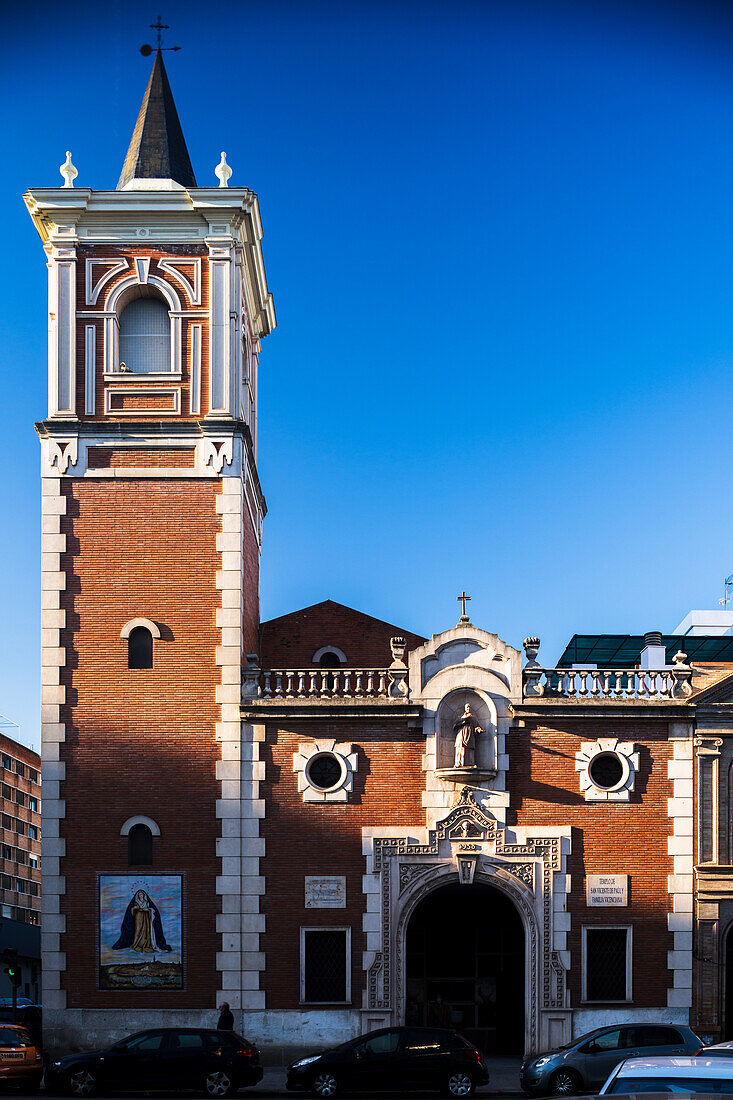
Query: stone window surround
[[133, 624], [140, 820], [628, 757], [316, 658], [343, 753]]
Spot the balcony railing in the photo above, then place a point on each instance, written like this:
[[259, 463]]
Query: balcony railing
[[593, 684], [309, 684]]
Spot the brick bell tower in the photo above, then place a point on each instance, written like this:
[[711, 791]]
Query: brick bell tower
[[152, 517]]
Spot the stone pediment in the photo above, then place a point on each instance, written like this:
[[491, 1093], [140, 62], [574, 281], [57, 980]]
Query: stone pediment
[[469, 653]]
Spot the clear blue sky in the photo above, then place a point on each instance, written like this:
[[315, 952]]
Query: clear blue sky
[[500, 241]]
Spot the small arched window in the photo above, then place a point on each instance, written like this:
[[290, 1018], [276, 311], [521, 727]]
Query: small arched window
[[145, 336], [330, 660], [139, 846], [140, 648]]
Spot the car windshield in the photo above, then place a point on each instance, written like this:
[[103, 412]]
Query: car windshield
[[673, 1084]]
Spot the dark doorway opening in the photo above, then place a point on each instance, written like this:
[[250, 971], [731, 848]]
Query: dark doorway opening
[[465, 966]]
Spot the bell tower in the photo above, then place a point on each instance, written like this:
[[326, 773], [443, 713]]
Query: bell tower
[[152, 518]]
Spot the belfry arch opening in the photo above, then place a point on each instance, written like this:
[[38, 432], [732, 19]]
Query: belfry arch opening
[[465, 966]]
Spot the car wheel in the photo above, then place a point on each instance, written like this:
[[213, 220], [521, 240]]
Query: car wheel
[[218, 1084], [83, 1082], [459, 1083], [564, 1083], [325, 1084]]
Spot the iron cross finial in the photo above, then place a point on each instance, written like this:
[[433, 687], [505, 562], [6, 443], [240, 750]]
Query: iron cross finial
[[463, 598], [159, 27]]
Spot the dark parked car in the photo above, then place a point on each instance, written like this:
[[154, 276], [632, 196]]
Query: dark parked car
[[585, 1063], [395, 1058], [219, 1062]]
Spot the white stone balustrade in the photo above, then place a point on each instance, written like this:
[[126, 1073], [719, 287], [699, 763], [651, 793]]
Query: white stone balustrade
[[617, 683], [309, 684]]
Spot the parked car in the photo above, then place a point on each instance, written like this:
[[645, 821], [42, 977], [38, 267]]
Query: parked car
[[20, 1058], [724, 1049], [219, 1062], [396, 1058], [677, 1075], [585, 1063]]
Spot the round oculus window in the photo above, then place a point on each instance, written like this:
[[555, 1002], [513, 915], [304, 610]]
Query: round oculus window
[[607, 771], [325, 771]]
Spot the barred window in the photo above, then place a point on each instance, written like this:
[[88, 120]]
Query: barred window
[[139, 846], [325, 965], [140, 648], [145, 336], [607, 964]]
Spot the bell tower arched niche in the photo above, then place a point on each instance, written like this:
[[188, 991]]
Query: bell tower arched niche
[[467, 736]]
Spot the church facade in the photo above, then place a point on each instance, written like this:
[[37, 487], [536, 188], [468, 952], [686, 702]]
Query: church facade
[[326, 820]]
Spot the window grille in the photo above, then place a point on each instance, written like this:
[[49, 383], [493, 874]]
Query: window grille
[[140, 648], [324, 965], [145, 336], [605, 962], [139, 846]]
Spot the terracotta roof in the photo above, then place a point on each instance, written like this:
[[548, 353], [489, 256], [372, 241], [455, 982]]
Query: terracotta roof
[[158, 148]]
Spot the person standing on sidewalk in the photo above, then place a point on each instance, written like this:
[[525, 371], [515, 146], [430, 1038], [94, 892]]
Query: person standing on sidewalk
[[226, 1020]]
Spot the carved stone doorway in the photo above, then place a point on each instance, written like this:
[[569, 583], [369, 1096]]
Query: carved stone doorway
[[465, 966]]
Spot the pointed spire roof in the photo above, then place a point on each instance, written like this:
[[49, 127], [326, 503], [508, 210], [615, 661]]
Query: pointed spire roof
[[158, 149]]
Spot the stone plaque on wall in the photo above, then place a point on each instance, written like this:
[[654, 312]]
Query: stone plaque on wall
[[325, 891], [607, 890]]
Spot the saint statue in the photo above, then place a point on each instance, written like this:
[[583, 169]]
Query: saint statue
[[465, 730], [142, 926]]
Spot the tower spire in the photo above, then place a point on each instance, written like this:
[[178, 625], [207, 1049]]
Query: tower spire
[[158, 148]]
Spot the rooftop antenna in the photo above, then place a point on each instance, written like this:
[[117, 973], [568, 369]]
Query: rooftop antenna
[[8, 723], [727, 583], [147, 49]]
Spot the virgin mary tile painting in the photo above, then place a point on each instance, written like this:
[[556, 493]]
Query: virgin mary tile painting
[[140, 932]]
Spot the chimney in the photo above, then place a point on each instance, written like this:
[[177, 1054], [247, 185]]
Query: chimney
[[653, 654]]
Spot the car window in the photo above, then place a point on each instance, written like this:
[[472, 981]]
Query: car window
[[654, 1036], [381, 1044], [146, 1041], [607, 1040], [188, 1040], [9, 1037], [673, 1084], [425, 1039]]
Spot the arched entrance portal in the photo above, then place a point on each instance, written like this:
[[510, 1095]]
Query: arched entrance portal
[[465, 966]]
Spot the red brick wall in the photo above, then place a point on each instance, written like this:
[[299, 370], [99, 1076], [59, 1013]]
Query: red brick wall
[[113, 458], [291, 640], [325, 838], [140, 741], [609, 837]]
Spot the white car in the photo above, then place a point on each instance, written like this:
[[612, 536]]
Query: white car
[[681, 1074]]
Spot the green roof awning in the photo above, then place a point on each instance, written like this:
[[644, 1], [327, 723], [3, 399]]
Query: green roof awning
[[623, 650]]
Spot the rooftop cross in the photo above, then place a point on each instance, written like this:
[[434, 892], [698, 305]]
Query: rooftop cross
[[160, 26], [463, 598]]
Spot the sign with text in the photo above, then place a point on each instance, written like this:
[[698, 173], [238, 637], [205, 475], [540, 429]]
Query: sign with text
[[607, 889], [325, 891]]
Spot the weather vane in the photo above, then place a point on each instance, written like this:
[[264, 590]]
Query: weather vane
[[147, 49]]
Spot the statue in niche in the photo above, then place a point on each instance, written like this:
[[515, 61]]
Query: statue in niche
[[466, 730]]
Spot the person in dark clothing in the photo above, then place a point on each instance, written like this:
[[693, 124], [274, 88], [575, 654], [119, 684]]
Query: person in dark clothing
[[226, 1020]]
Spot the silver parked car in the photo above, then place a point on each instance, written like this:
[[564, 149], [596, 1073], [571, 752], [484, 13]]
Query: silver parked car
[[585, 1063]]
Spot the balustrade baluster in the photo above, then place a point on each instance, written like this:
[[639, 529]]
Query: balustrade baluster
[[312, 685], [267, 692], [595, 686], [359, 677], [370, 681], [583, 677], [347, 682], [301, 682], [289, 683], [336, 682], [278, 684], [382, 688]]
